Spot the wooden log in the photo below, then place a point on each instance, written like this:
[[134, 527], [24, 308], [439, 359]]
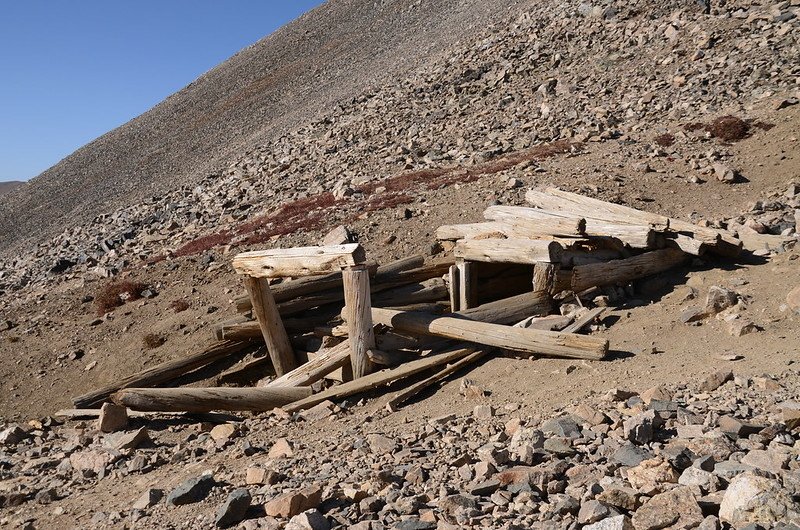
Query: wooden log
[[527, 251], [490, 230], [300, 261], [386, 272], [390, 358], [584, 320], [624, 270], [537, 221], [527, 341], [208, 399], [455, 288], [468, 285], [269, 320], [359, 319], [430, 290], [163, 372], [544, 275], [509, 310], [578, 256], [314, 370], [380, 378], [589, 208], [244, 329], [632, 235], [404, 395]]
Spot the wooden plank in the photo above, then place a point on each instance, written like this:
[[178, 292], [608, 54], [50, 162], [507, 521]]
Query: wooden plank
[[208, 399], [490, 230], [380, 378], [407, 393], [468, 285], [624, 270], [309, 373], [526, 341], [163, 372], [300, 261], [537, 221], [430, 290], [583, 320], [359, 319], [269, 320], [510, 310], [525, 251]]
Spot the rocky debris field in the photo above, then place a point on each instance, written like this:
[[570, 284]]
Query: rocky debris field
[[549, 75], [721, 453]]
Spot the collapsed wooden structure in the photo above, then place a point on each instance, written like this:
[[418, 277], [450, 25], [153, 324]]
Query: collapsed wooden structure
[[330, 313]]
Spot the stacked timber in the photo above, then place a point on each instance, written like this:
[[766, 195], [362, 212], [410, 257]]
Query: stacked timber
[[335, 324]]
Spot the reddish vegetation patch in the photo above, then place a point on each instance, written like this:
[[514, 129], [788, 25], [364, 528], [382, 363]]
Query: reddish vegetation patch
[[116, 293], [179, 305], [664, 140], [728, 128], [204, 243], [312, 213]]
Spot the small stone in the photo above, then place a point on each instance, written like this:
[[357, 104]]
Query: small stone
[[483, 412], [592, 512], [736, 428], [562, 426], [651, 475], [716, 380], [223, 432], [282, 448], [639, 429], [724, 173], [793, 299], [292, 503], [148, 499], [618, 522], [112, 418], [234, 508], [709, 523], [676, 508], [740, 327], [380, 444], [559, 446], [129, 440], [485, 488], [630, 455], [12, 435], [338, 236], [191, 490], [770, 461], [309, 520], [719, 299]]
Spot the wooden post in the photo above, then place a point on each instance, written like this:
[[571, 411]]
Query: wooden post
[[455, 288], [468, 285], [358, 309], [544, 275], [207, 399], [265, 310]]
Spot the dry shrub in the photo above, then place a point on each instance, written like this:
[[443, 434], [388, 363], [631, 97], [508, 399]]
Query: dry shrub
[[116, 293], [179, 305], [13, 338], [727, 128], [664, 140], [152, 341], [204, 243]]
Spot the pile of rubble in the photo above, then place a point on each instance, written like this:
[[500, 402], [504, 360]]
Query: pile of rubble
[[721, 454]]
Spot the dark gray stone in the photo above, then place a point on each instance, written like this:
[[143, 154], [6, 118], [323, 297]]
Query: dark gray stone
[[192, 490]]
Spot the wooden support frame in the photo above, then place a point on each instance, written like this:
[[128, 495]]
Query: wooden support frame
[[300, 261], [269, 320], [468, 284]]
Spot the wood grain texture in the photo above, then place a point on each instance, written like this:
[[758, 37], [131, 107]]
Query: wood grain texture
[[325, 362], [624, 270], [208, 399], [299, 261], [358, 306], [468, 285], [164, 372], [527, 341], [525, 251], [537, 221], [269, 320]]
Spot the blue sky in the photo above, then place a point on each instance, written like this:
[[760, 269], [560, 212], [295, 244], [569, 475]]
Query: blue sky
[[73, 70]]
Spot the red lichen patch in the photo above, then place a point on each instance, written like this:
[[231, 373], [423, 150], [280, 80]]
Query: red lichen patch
[[204, 243], [728, 128], [664, 140], [115, 294]]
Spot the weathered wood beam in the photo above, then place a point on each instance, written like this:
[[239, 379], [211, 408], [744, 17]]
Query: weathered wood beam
[[361, 335], [537, 221], [269, 321], [624, 270], [163, 372], [309, 373], [526, 251], [526, 341], [299, 261], [544, 275], [208, 399]]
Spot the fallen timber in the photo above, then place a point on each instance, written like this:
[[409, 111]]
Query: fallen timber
[[207, 399], [163, 373]]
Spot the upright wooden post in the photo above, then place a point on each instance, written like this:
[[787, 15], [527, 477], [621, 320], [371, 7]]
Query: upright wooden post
[[544, 276], [358, 309], [455, 289], [468, 285], [269, 320]]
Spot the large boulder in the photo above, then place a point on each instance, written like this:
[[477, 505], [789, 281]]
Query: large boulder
[[755, 499]]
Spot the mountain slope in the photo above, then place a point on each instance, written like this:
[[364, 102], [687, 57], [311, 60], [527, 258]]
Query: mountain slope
[[6, 187], [326, 55]]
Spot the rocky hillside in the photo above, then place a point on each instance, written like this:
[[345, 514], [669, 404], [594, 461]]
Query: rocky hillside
[[6, 187], [328, 55], [647, 81]]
